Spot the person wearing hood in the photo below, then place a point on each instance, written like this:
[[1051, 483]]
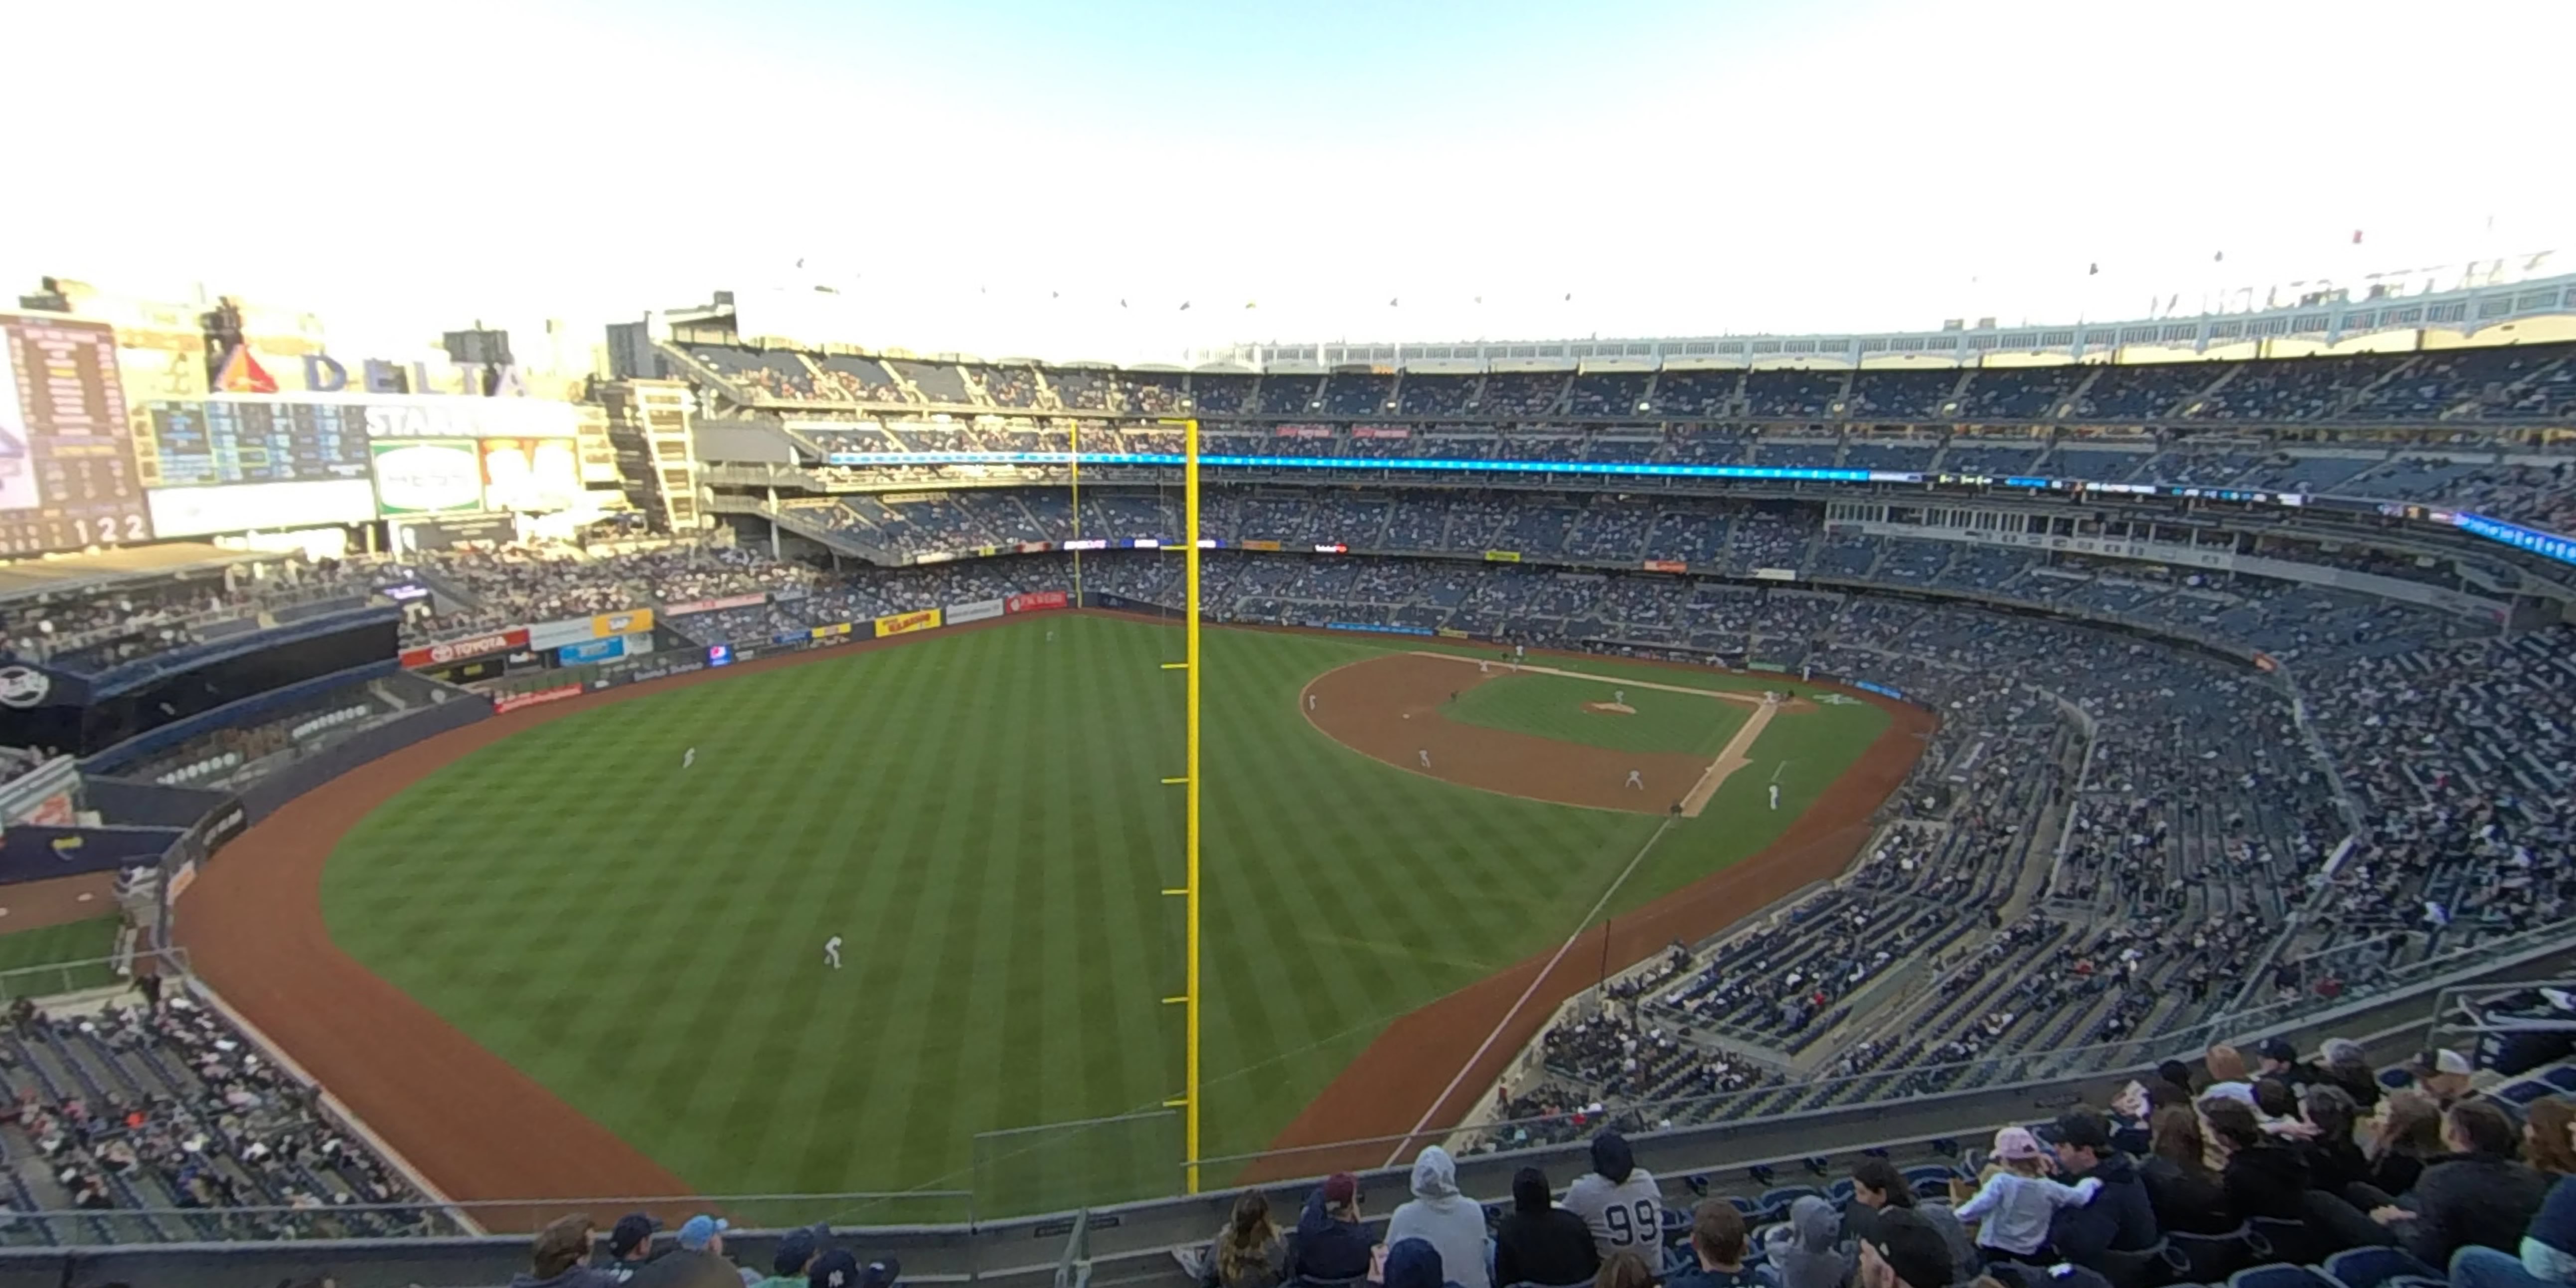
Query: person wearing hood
[[1807, 1249], [1332, 1241], [1417, 1263], [1451, 1223], [2121, 1217], [2264, 1176], [1539, 1242], [1618, 1201], [554, 1259]]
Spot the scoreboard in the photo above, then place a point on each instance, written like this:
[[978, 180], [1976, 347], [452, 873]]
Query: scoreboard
[[201, 443], [67, 466]]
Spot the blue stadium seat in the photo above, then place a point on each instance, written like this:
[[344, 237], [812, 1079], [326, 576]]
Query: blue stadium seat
[[2563, 1077], [2370, 1267], [1930, 1180], [1840, 1191], [2278, 1275], [2292, 1242], [2524, 1092], [2209, 1258], [1775, 1203]]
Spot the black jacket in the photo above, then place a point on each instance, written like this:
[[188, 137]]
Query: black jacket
[[2187, 1202], [1550, 1247], [2396, 1173], [1325, 1248], [2267, 1180], [2119, 1219], [2466, 1199], [2335, 1163]]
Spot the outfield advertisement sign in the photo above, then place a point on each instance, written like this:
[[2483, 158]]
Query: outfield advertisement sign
[[607, 650], [469, 647], [1375, 629], [574, 630], [696, 606], [1502, 556], [1041, 600], [979, 611], [906, 623], [1666, 565], [504, 703]]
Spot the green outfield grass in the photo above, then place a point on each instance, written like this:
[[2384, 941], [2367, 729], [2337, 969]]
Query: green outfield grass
[[980, 816], [1552, 706], [31, 961]]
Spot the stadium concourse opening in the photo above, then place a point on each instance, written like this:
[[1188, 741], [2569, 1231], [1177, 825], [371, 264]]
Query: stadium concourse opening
[[1393, 708]]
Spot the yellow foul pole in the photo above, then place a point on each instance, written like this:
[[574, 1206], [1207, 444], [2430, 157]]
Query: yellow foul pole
[[1073, 446], [1190, 569]]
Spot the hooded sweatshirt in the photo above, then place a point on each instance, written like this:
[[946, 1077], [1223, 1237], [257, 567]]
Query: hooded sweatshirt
[[1414, 1263], [2549, 1246], [1440, 1216], [1326, 1247], [1805, 1250], [1539, 1242], [1619, 1201]]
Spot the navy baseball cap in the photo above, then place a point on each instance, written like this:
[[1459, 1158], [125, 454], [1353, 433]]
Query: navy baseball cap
[[796, 1247], [634, 1230]]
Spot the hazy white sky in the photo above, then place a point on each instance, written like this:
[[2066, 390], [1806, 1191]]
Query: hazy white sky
[[995, 175]]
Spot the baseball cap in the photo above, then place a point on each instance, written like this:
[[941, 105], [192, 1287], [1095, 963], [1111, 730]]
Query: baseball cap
[[1341, 1187], [2343, 1051], [2446, 1060], [634, 1230], [2011, 1142], [2081, 1128], [1911, 1247], [697, 1230], [2278, 1049], [880, 1273], [796, 1247], [838, 1268]]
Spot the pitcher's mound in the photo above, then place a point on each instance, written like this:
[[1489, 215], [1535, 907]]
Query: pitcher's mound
[[1610, 708]]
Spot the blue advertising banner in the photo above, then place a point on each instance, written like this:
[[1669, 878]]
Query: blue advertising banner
[[591, 651]]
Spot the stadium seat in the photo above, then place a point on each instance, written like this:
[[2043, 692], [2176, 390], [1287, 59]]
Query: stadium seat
[[2371, 1267], [2563, 1077], [2524, 1092], [2140, 1269], [2209, 1258], [1930, 1181], [2278, 1275], [2294, 1242]]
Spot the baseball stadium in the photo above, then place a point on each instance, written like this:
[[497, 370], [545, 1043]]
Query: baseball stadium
[[768, 791]]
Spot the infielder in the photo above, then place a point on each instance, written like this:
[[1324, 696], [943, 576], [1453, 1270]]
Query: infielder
[[1775, 795], [1310, 702], [1425, 753], [1619, 696], [688, 758], [1636, 780], [832, 952], [1484, 666]]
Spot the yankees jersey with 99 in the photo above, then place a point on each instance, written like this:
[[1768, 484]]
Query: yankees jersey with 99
[[1626, 1217]]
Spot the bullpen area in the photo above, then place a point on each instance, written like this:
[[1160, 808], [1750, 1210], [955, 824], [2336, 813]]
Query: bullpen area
[[581, 949]]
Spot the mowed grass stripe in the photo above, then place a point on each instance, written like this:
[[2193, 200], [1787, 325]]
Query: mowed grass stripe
[[981, 816]]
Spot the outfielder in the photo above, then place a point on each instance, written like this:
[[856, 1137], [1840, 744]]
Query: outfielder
[[688, 758], [1425, 753], [1775, 795], [832, 952], [1636, 780]]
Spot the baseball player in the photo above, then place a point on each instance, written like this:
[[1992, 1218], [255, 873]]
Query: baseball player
[[1484, 666], [832, 952], [1619, 696], [1425, 753], [688, 758], [1310, 702], [1775, 795], [1636, 780]]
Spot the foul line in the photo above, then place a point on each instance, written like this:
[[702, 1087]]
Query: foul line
[[1561, 950], [1737, 755]]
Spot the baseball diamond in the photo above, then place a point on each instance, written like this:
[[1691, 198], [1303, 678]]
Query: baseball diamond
[[672, 1028]]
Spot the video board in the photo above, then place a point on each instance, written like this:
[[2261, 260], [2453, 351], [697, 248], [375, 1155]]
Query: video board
[[215, 441], [67, 467]]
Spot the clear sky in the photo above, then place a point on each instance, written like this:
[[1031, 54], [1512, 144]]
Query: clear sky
[[996, 175]]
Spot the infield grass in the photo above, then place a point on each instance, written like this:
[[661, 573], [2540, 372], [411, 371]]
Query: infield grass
[[1555, 706], [980, 815]]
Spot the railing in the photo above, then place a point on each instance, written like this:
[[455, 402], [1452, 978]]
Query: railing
[[53, 979]]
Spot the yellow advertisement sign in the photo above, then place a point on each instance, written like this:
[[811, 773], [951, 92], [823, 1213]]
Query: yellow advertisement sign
[[1261, 545], [906, 623], [634, 621], [827, 632], [1452, 633], [1502, 556]]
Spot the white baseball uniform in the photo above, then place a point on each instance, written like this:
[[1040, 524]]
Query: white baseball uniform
[[688, 758], [1775, 795], [832, 952], [1636, 780], [1426, 758]]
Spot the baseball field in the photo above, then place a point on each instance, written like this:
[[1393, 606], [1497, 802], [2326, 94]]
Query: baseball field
[[623, 902]]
